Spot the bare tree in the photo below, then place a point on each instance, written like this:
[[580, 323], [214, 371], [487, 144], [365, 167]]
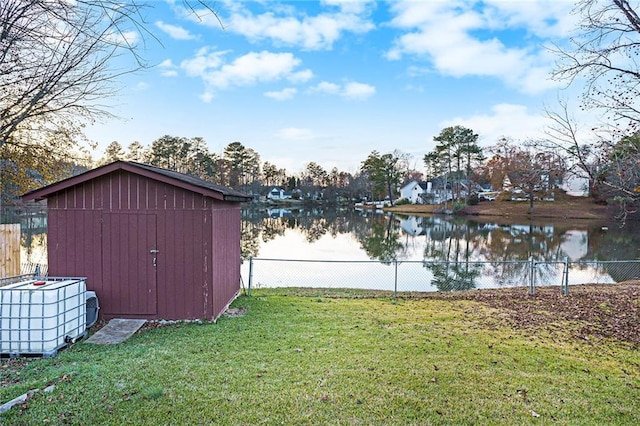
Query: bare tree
[[604, 52], [583, 155], [528, 169], [59, 61], [620, 177], [55, 63]]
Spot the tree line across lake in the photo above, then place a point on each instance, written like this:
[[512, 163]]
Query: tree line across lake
[[457, 165]]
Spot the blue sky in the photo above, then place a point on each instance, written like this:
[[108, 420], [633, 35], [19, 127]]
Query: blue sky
[[330, 81]]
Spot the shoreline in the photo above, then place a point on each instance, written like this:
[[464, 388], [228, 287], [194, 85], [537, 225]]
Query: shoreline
[[564, 208]]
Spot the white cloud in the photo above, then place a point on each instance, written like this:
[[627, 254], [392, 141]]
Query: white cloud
[[246, 70], [504, 120], [203, 61], [282, 95], [295, 134], [358, 91], [175, 32], [123, 38], [257, 66], [282, 26], [461, 39], [168, 68], [350, 6], [542, 18], [326, 87], [141, 86], [351, 90], [206, 97], [301, 76]]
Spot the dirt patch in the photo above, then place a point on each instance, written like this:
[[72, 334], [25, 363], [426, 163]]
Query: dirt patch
[[235, 312], [605, 311]]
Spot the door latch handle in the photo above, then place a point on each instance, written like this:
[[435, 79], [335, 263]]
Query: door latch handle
[[154, 251]]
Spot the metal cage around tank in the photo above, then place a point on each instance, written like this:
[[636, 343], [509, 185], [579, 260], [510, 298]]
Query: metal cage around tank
[[40, 316]]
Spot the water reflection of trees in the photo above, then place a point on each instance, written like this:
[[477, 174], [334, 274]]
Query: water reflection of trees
[[266, 225], [455, 240], [450, 247], [33, 232], [449, 276], [249, 238], [506, 249], [381, 239], [377, 234], [614, 242]]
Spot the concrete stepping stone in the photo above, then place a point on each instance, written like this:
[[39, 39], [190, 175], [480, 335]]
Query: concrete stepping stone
[[116, 331]]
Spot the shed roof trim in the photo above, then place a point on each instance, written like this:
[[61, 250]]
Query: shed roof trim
[[171, 177]]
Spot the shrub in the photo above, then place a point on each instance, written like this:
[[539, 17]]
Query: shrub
[[458, 206]]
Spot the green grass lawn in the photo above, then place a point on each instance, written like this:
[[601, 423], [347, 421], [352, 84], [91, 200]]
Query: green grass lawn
[[300, 358]]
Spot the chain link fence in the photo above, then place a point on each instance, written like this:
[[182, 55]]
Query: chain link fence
[[37, 269], [28, 271], [426, 276]]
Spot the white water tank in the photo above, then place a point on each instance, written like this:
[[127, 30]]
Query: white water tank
[[39, 317]]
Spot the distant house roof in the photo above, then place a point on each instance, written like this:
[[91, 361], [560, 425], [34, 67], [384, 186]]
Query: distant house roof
[[170, 177], [415, 183]]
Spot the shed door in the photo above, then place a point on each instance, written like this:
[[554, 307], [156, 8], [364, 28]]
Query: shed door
[[129, 253]]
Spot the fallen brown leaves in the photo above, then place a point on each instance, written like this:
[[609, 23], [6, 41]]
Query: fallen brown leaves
[[10, 371], [605, 311], [564, 207]]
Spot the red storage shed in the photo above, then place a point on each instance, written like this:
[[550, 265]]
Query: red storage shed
[[153, 243]]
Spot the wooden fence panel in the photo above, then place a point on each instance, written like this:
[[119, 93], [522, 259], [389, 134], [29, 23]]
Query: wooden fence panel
[[9, 250]]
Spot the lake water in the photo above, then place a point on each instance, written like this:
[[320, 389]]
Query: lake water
[[347, 234], [427, 253]]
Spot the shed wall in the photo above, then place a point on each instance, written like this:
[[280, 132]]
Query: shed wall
[[197, 267], [226, 252], [73, 239]]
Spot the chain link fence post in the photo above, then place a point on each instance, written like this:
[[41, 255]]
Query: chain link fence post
[[565, 276], [395, 280], [532, 267], [250, 275]]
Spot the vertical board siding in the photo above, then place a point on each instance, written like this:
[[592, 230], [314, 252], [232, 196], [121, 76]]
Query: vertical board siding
[[74, 244], [124, 191], [207, 255], [102, 229], [167, 268], [226, 255]]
